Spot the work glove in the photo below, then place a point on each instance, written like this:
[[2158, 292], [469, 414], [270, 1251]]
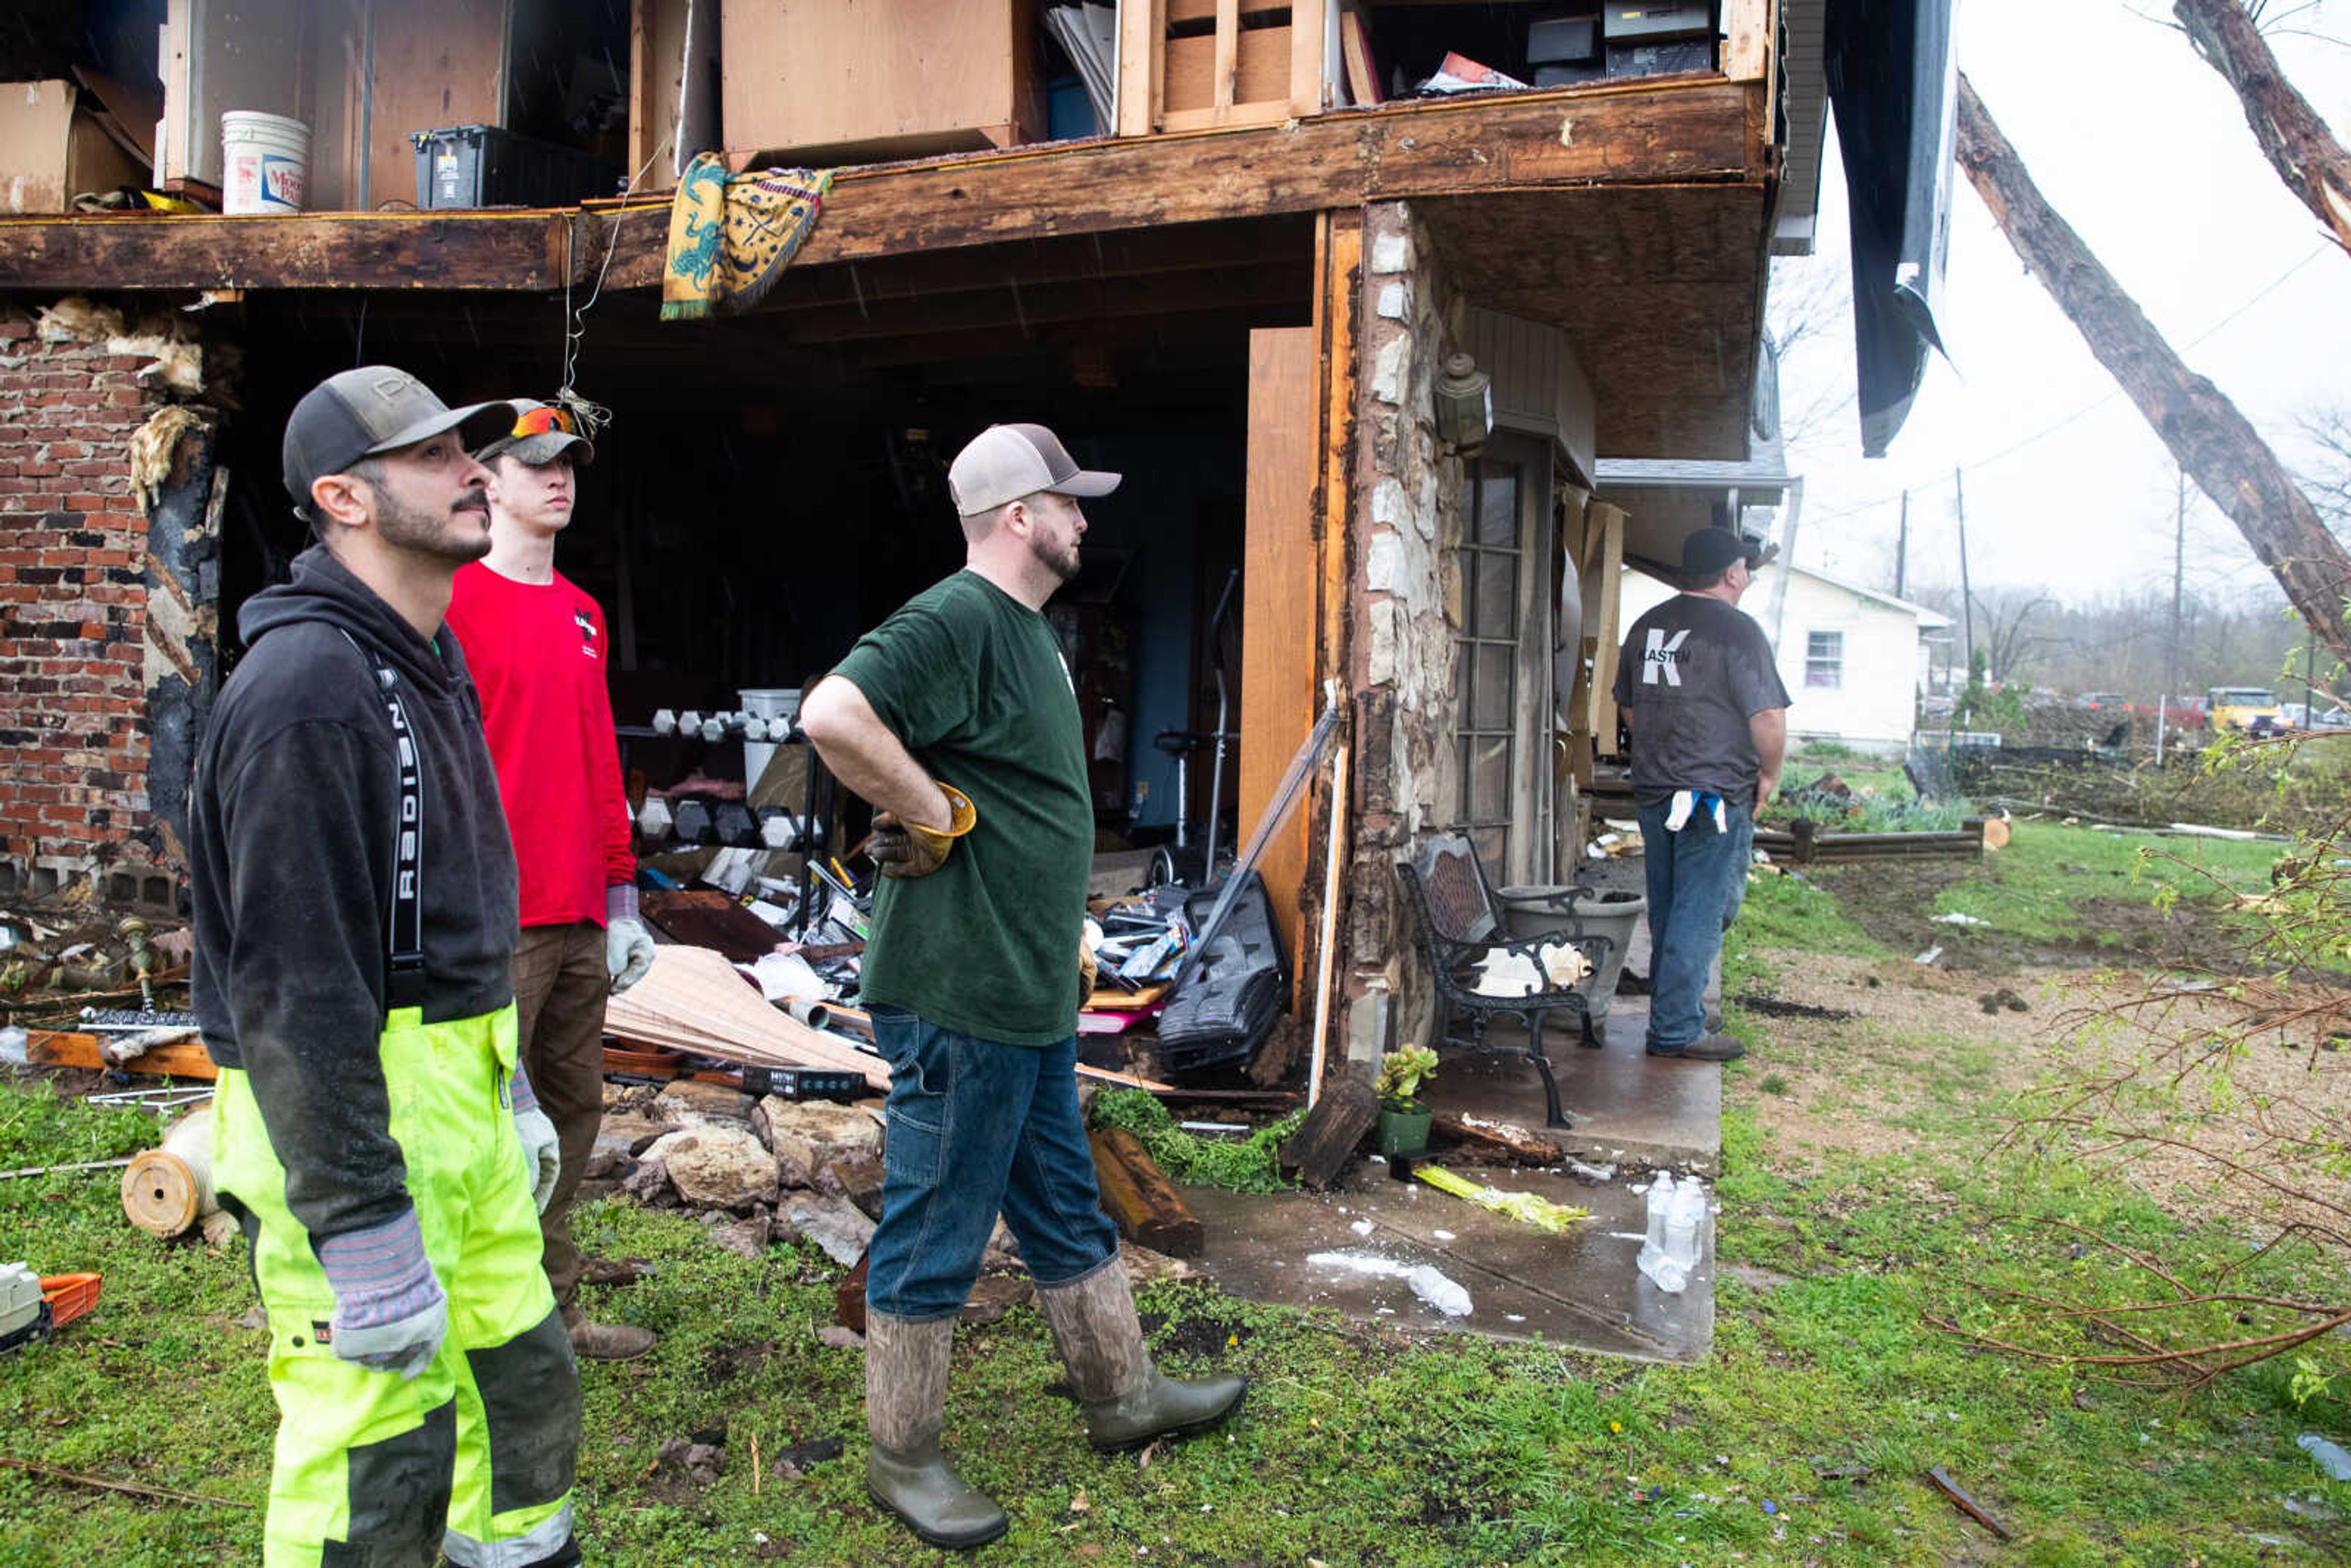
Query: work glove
[[1087, 971], [542, 1155], [627, 947], [906, 849], [390, 1310]]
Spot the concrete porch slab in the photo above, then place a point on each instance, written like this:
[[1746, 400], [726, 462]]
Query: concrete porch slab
[[1627, 1105], [1580, 1290]]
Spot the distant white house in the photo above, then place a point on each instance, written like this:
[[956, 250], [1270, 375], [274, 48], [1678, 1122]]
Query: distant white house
[[1853, 658]]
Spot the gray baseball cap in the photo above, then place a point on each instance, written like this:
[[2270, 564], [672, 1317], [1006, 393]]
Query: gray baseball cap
[[363, 414], [1006, 462], [552, 432]]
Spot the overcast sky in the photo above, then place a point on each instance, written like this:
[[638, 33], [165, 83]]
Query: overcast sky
[[2144, 149]]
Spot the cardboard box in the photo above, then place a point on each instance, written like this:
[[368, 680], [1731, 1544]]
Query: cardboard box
[[1261, 71], [49, 154]]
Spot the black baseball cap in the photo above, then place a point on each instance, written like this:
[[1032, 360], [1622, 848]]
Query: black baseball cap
[[363, 414], [1709, 551]]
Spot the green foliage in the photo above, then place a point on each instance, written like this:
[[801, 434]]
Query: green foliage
[[1402, 1072], [1981, 708], [1892, 810], [1825, 750], [1247, 1165]]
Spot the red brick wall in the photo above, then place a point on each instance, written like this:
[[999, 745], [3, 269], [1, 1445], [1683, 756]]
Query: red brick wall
[[73, 721]]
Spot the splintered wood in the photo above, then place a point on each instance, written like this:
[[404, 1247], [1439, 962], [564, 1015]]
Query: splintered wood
[[692, 999]]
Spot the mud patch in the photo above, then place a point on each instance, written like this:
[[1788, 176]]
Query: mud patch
[[723, 1363], [1779, 1007]]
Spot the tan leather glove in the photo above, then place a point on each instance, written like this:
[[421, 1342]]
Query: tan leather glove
[[1087, 970], [907, 849]]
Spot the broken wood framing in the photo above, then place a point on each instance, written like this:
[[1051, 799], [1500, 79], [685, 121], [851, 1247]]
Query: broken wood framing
[[1324, 1141], [1663, 133], [1140, 1199], [62, 1048]]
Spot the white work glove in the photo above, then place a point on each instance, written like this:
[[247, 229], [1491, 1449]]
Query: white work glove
[[390, 1310], [542, 1155], [628, 948]]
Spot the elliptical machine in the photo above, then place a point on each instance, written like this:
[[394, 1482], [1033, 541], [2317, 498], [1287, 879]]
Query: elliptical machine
[[1179, 864]]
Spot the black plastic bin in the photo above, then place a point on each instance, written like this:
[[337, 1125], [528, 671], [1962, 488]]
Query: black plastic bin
[[488, 166]]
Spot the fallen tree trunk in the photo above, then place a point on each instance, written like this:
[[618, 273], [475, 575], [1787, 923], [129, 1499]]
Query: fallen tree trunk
[[2297, 142], [2212, 442]]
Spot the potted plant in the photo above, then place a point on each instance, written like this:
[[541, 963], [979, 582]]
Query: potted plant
[[1404, 1119]]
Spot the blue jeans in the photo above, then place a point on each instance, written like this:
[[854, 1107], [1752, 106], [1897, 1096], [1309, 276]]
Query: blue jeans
[[978, 1126], [1698, 880]]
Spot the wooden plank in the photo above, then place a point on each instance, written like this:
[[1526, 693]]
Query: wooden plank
[[1141, 24], [1604, 571], [63, 1048], [1278, 650], [1670, 134], [945, 73], [1310, 22], [1519, 1145], [1140, 1199], [438, 63], [1228, 56], [1320, 1149], [1751, 26]]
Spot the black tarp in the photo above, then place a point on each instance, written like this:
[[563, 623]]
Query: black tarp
[[1892, 83]]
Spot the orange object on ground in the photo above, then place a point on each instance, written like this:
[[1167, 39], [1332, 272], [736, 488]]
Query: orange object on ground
[[69, 1296]]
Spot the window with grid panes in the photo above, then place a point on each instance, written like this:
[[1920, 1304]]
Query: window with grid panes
[[1825, 659], [1486, 675]]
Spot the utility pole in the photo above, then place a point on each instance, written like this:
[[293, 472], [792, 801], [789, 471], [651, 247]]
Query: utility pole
[[1902, 551], [1967, 594]]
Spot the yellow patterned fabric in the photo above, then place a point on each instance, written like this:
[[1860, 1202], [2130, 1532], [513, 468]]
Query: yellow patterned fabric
[[731, 235]]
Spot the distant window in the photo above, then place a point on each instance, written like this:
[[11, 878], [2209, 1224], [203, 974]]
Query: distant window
[[1825, 659]]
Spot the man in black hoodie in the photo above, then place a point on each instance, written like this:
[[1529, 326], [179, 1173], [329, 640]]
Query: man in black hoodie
[[355, 919]]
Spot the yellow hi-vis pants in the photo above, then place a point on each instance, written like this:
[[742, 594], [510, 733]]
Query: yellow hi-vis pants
[[475, 1455]]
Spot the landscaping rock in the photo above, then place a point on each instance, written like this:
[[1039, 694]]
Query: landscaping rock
[[744, 1238], [856, 1177], [718, 1165], [834, 1224], [813, 1134], [705, 1462], [687, 1100], [649, 1184], [993, 1295]]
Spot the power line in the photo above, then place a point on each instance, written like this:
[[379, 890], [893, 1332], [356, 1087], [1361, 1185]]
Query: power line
[[2095, 405]]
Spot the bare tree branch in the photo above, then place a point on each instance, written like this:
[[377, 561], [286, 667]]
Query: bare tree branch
[[2295, 141]]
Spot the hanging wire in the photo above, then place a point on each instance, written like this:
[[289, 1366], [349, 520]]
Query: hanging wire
[[591, 417]]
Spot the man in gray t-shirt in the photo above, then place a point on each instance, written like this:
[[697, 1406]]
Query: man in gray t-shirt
[[1699, 691]]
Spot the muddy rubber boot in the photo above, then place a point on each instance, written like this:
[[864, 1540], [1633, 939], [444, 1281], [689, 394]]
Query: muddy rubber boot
[[905, 1405], [1127, 1401]]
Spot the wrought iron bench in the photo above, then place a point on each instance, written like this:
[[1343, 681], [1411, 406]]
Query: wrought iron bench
[[1460, 925]]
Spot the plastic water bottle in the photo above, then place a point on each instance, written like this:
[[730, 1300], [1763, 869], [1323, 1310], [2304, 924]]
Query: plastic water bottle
[[1683, 1219], [1661, 1203], [1446, 1295]]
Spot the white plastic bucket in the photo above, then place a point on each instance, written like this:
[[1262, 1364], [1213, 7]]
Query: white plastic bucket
[[770, 702], [265, 161]]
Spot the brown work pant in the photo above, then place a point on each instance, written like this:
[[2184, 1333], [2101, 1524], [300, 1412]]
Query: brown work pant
[[561, 984]]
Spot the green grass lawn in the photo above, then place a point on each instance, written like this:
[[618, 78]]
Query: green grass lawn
[[2050, 873], [1357, 1446]]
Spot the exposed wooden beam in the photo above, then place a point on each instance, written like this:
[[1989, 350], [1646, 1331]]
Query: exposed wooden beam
[[520, 249], [1676, 132]]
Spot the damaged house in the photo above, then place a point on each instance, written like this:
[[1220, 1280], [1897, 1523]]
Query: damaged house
[[1358, 295]]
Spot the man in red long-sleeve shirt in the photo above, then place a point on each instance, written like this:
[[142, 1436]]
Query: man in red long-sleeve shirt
[[536, 645]]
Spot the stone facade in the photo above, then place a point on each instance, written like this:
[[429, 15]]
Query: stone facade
[[1406, 606], [80, 665]]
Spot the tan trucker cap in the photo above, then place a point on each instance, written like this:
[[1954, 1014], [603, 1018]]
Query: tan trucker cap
[[1006, 462]]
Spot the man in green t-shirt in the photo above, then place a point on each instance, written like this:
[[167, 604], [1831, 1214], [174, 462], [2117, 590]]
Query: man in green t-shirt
[[956, 719]]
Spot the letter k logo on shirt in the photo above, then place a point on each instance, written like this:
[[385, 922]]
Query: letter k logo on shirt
[[1662, 655]]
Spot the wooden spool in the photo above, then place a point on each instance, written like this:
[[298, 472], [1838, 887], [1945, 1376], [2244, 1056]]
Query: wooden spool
[[166, 1190]]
